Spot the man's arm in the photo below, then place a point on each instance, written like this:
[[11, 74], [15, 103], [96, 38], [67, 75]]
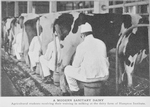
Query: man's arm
[[78, 57], [49, 51], [31, 47]]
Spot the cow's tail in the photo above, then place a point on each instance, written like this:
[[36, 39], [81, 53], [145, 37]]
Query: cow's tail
[[118, 65], [22, 43], [56, 57], [38, 34]]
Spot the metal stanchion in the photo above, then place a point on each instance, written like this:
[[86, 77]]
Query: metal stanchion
[[149, 53], [117, 71]]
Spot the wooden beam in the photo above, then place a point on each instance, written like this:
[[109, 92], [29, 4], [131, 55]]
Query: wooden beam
[[149, 47], [77, 10], [16, 9], [52, 6], [7, 9]]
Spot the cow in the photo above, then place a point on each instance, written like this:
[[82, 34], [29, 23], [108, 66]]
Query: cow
[[2, 33], [6, 30], [34, 26], [63, 26], [106, 27], [15, 34], [132, 49], [29, 31], [46, 22]]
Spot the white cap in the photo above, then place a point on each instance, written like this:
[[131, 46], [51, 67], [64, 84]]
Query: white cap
[[86, 28]]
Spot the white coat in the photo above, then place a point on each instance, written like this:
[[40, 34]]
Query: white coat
[[47, 60], [34, 51], [90, 63]]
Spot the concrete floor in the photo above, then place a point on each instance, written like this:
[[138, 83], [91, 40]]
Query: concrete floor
[[7, 87], [32, 85]]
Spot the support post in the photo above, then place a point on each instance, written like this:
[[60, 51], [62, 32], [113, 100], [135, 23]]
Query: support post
[[114, 3], [133, 9], [117, 84], [101, 6], [16, 10], [29, 6], [7, 9], [52, 6], [124, 8], [96, 7], [149, 47]]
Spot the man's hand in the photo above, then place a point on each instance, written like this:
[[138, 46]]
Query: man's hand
[[40, 52]]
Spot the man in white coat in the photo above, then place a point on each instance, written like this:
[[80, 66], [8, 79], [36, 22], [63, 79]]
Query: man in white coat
[[47, 60], [90, 63], [34, 52], [16, 43]]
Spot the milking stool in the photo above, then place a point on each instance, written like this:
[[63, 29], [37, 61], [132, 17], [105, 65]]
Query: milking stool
[[92, 88], [56, 78]]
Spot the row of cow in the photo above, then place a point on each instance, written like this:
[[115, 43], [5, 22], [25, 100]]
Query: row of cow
[[109, 27]]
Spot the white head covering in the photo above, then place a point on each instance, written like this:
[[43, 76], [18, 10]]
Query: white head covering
[[86, 28]]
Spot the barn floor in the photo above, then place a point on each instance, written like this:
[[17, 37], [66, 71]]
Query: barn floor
[[32, 85]]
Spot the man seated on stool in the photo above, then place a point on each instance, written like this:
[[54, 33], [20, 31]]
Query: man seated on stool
[[90, 63], [34, 53], [47, 60], [16, 44]]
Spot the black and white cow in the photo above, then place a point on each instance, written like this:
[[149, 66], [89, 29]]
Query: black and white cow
[[35, 25], [14, 30], [7, 30], [107, 27], [29, 31], [132, 49]]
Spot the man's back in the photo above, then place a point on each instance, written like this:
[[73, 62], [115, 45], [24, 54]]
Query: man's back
[[93, 57]]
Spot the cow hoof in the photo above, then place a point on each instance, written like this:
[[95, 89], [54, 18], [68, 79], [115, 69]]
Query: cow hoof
[[130, 86], [119, 80]]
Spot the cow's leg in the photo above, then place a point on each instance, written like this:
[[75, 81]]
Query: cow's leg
[[63, 83], [25, 47], [120, 69], [6, 43], [121, 49], [10, 46], [26, 58], [129, 67]]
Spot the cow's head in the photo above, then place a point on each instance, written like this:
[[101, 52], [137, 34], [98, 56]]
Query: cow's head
[[62, 25], [127, 20], [20, 21], [80, 20]]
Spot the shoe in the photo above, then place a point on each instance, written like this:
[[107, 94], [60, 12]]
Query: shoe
[[78, 93], [81, 92], [48, 80], [66, 94], [75, 93], [34, 68], [15, 57], [33, 73]]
